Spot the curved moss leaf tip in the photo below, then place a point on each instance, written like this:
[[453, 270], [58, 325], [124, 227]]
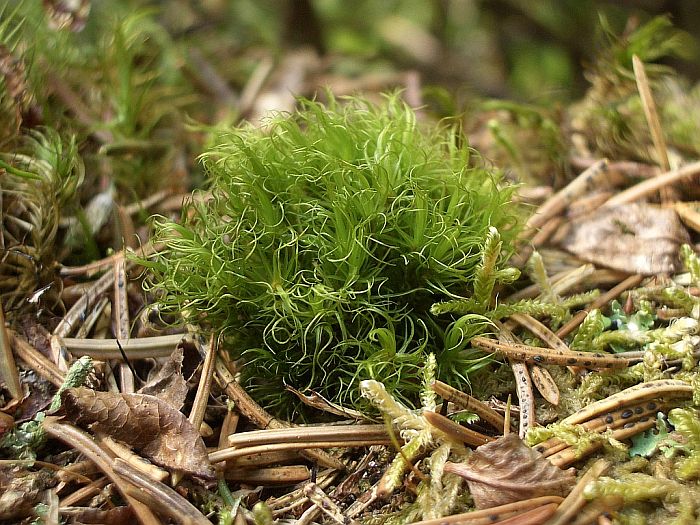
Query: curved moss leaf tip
[[328, 237]]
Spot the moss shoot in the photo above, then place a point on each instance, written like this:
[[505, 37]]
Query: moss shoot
[[328, 237]]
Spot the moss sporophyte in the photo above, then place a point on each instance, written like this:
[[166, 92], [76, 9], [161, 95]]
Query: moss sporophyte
[[328, 237]]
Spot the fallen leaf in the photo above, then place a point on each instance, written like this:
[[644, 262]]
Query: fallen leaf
[[166, 381], [20, 491], [507, 470], [151, 426], [634, 238]]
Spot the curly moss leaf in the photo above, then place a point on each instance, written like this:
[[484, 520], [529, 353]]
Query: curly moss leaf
[[328, 238], [633, 487]]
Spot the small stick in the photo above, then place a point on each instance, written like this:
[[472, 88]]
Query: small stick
[[158, 495], [233, 452], [574, 501], [305, 434], [72, 317], [455, 430], [545, 384], [568, 456], [612, 420], [121, 322], [572, 324], [536, 355], [648, 186], [652, 117], [81, 441], [492, 514], [531, 517], [35, 360], [84, 492], [251, 410], [108, 262], [263, 459], [152, 471], [562, 282], [327, 505], [523, 387], [467, 402], [136, 348], [199, 405], [287, 475], [591, 178], [8, 367], [642, 392]]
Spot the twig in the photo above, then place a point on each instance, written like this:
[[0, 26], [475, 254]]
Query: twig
[[602, 300], [136, 348], [670, 388], [467, 402], [121, 322], [649, 186], [492, 514], [36, 360], [279, 475], [536, 355], [251, 410], [652, 117], [455, 430], [306, 434], [233, 452], [8, 367], [81, 441], [327, 505], [158, 495], [73, 316], [574, 501], [199, 405]]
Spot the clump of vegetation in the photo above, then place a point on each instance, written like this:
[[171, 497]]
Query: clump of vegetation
[[327, 240]]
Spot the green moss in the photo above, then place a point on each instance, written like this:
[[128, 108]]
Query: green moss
[[328, 238]]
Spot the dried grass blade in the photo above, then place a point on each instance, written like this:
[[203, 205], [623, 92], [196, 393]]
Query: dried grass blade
[[81, 441], [455, 430], [574, 501], [36, 361], [467, 402], [486, 516], [649, 186], [667, 388], [199, 405], [630, 282], [121, 322], [8, 367]]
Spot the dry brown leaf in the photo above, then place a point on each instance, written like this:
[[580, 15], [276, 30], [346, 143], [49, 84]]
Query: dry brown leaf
[[20, 491], [166, 382], [151, 426], [507, 470], [635, 238]]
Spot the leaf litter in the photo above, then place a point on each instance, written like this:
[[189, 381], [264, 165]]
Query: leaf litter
[[613, 345]]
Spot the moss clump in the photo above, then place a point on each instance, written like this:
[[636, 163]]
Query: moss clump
[[327, 239]]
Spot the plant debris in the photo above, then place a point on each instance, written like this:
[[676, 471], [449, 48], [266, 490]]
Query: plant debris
[[150, 425], [214, 311]]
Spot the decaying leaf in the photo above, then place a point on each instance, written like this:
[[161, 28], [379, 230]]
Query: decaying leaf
[[20, 491], [166, 382], [635, 238], [507, 470], [151, 426]]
